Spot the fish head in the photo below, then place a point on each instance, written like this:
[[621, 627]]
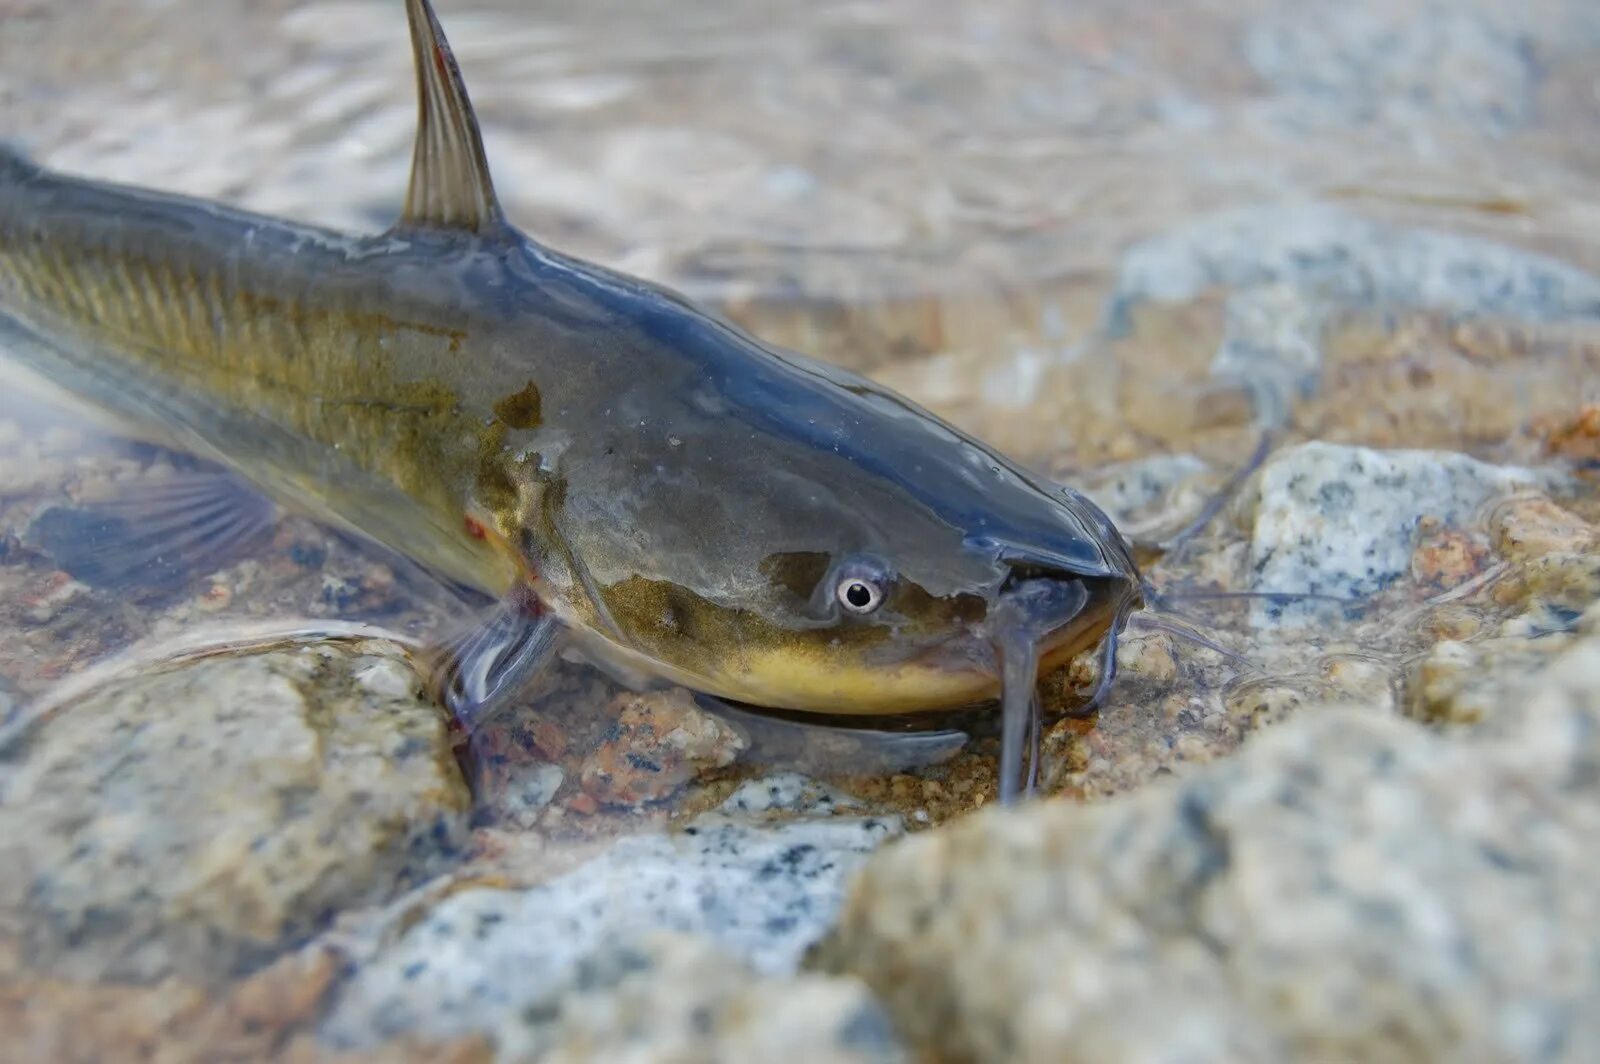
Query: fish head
[[816, 543], [864, 633]]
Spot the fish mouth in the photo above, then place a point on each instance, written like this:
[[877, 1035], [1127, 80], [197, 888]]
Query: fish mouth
[[1060, 615], [1041, 620], [1056, 615]]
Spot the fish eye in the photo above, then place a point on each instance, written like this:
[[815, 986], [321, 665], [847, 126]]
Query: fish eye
[[860, 587]]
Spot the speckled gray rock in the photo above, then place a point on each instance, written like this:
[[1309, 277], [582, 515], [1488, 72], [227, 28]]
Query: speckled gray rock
[[762, 891], [1339, 255], [676, 998], [1352, 887], [1341, 521], [787, 792], [197, 821]]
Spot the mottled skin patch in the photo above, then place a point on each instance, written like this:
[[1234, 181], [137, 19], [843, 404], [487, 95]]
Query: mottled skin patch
[[520, 410]]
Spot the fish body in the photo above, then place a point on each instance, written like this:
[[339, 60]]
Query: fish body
[[687, 502], [313, 363]]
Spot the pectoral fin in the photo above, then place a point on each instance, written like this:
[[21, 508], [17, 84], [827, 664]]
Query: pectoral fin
[[477, 671], [450, 183], [152, 536]]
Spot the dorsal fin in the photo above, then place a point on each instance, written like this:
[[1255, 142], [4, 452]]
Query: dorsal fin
[[450, 183]]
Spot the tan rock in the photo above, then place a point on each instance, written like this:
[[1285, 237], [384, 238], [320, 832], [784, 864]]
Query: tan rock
[[661, 741], [1577, 437], [266, 1017], [1349, 887], [200, 820], [1533, 526]]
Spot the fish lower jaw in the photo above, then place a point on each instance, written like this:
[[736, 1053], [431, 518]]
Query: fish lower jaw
[[782, 682], [785, 682]]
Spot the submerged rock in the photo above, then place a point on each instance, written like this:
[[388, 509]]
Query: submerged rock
[[761, 891], [1343, 521], [198, 821], [1534, 527], [1577, 437], [1352, 886], [1342, 256], [660, 742], [1149, 497]]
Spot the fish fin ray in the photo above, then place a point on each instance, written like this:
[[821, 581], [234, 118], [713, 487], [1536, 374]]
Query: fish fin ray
[[838, 745], [476, 671], [155, 537], [450, 183]]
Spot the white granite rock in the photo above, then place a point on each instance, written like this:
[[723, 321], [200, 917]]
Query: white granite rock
[[1341, 521], [762, 892], [676, 998]]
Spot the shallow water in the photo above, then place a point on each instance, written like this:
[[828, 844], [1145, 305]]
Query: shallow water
[[1118, 241]]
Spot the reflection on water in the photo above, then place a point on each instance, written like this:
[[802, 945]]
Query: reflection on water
[[1118, 240]]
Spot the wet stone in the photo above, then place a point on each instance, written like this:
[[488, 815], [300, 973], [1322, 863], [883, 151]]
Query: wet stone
[[675, 997], [1351, 886], [1534, 526], [1446, 558], [1578, 437], [1146, 496], [200, 820], [761, 891], [534, 790], [1479, 681], [787, 792], [1561, 580], [1366, 222], [1450, 684], [255, 1019], [661, 740], [1343, 521]]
